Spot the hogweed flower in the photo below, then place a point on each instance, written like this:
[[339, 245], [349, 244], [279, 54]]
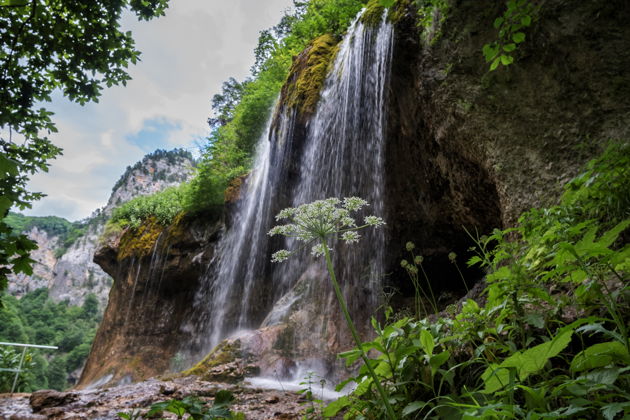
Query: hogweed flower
[[320, 220], [317, 222]]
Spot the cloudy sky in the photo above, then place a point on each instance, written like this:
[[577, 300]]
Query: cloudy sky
[[186, 56]]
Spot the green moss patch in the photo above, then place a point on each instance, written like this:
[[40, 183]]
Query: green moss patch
[[307, 75], [225, 352], [139, 242], [373, 13]]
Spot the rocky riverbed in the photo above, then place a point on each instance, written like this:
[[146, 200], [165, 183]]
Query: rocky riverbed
[[104, 404]]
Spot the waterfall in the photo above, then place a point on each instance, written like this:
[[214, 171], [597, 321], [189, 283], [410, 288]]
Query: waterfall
[[340, 154]]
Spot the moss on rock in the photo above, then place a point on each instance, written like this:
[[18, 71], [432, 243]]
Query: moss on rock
[[307, 75], [225, 352], [233, 191], [141, 241], [373, 13]]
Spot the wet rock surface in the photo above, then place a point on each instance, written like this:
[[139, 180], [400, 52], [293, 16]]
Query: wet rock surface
[[104, 404]]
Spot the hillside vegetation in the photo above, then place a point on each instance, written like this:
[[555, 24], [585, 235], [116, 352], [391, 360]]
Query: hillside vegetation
[[68, 232], [36, 319]]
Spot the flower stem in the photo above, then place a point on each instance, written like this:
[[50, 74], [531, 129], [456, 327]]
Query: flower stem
[[355, 334]]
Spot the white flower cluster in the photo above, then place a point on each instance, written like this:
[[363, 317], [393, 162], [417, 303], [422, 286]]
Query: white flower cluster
[[319, 220]]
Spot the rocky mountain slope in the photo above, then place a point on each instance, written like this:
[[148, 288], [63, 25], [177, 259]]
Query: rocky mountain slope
[[64, 264]]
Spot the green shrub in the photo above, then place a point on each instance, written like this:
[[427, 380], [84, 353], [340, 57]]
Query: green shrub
[[164, 206]]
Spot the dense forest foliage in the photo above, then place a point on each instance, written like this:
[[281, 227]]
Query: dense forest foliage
[[67, 232], [36, 319]]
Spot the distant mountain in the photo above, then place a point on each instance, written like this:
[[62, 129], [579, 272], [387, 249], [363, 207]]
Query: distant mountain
[[66, 249]]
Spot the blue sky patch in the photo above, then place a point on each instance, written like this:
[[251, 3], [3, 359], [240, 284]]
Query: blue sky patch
[[154, 134]]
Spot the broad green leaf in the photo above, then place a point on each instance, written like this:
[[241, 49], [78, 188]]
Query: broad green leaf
[[535, 396], [426, 341], [535, 320], [509, 47], [526, 20], [599, 355], [351, 356], [383, 370], [602, 376], [363, 387], [334, 407], [8, 167], [527, 362], [599, 328], [506, 60], [610, 411], [23, 265], [518, 37], [438, 360], [498, 22], [608, 238], [413, 407], [495, 64], [5, 204]]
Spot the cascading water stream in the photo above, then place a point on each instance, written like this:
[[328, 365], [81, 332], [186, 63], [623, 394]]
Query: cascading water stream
[[341, 155]]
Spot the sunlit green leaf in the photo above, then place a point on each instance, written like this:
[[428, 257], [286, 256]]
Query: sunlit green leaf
[[599, 355], [527, 362], [518, 37]]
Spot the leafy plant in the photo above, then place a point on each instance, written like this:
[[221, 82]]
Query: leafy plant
[[10, 359], [547, 340], [315, 405], [36, 41], [517, 16], [132, 415], [411, 267], [197, 409]]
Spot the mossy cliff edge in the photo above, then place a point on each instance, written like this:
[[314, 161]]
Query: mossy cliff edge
[[308, 72], [156, 271]]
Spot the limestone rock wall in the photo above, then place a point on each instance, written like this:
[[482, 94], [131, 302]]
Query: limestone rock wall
[[469, 148]]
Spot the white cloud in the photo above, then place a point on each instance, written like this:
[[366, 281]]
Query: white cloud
[[186, 56]]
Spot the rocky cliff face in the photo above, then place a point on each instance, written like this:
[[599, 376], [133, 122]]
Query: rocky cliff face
[[156, 274], [472, 148], [155, 172], [467, 150], [43, 270], [73, 274]]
